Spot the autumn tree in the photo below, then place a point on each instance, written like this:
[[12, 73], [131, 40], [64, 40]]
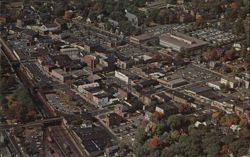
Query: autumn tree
[[210, 55]]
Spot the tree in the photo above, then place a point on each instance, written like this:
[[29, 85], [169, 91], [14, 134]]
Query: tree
[[238, 27], [239, 147], [210, 55], [181, 108], [229, 55], [175, 135], [153, 142], [156, 116], [31, 115], [21, 113], [211, 144], [245, 133], [141, 136], [175, 121], [189, 146]]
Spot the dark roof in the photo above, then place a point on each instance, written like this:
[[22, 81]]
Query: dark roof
[[199, 89], [168, 106], [93, 139], [51, 25], [62, 60], [180, 95], [101, 95]]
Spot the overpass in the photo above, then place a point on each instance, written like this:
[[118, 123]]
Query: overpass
[[47, 121]]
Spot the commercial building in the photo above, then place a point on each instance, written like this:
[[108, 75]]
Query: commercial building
[[141, 38], [60, 75], [176, 83], [181, 42]]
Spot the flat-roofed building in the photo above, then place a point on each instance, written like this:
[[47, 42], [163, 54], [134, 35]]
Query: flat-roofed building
[[176, 83], [141, 38], [181, 42]]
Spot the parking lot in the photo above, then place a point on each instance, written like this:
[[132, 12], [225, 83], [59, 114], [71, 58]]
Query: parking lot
[[60, 106], [215, 37], [194, 74], [126, 130]]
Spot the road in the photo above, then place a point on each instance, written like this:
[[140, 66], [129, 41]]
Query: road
[[59, 132], [61, 138], [13, 145]]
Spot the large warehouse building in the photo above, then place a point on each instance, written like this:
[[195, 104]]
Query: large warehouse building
[[181, 42]]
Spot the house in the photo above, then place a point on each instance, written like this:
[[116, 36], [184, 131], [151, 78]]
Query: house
[[132, 18], [113, 23]]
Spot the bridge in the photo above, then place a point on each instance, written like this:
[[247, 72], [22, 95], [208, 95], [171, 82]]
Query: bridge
[[47, 121]]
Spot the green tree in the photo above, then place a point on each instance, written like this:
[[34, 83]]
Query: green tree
[[239, 147], [141, 136], [211, 144], [175, 121]]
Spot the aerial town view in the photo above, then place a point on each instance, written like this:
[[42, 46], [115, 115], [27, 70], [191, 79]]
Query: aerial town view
[[124, 78]]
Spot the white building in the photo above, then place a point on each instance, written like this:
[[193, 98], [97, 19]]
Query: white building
[[121, 76], [81, 88], [231, 82]]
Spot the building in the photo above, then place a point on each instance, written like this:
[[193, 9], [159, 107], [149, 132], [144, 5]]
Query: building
[[121, 110], [113, 119], [180, 42], [60, 75], [46, 28], [90, 60], [166, 109], [132, 18], [176, 83], [231, 82], [141, 38], [101, 99], [179, 97], [81, 87], [215, 85], [126, 76], [72, 52]]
